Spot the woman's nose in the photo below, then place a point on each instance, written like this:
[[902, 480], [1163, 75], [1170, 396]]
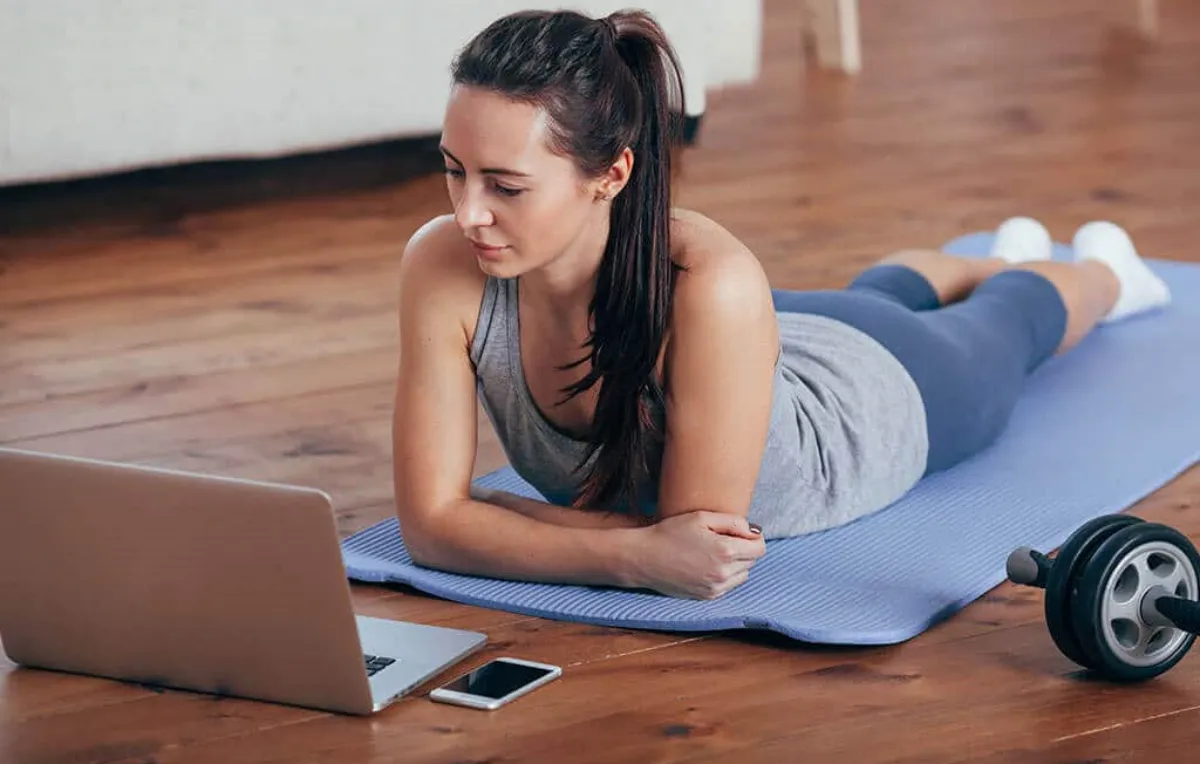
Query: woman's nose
[[472, 210]]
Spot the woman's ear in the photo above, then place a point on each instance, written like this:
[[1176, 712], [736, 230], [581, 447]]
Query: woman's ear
[[617, 175]]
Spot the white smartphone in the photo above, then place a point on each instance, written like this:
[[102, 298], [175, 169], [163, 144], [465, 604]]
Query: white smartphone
[[495, 683]]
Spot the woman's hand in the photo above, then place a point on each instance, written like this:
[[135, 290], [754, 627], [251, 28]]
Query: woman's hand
[[697, 555]]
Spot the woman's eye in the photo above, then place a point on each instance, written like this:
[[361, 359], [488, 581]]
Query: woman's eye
[[453, 172], [508, 191]]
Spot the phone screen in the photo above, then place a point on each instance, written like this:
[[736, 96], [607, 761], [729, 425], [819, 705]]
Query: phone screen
[[496, 679]]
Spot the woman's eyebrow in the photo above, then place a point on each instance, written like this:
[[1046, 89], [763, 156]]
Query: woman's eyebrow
[[489, 170]]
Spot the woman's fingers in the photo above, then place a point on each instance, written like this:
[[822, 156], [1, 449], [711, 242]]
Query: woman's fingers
[[745, 549], [736, 580]]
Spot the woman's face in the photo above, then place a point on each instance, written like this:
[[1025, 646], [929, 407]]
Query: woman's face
[[521, 205]]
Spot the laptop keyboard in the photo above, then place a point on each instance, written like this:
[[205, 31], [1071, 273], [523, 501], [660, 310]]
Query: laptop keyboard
[[375, 664]]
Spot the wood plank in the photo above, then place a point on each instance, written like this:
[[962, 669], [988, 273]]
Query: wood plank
[[33, 694], [747, 701], [258, 349], [203, 252], [286, 297], [174, 395], [139, 730], [301, 417], [1166, 736]]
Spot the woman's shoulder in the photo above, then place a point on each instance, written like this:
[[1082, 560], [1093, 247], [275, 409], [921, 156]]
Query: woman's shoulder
[[438, 271], [722, 310], [718, 269], [439, 244]]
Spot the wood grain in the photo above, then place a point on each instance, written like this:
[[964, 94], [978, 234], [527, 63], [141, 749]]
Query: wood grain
[[240, 318]]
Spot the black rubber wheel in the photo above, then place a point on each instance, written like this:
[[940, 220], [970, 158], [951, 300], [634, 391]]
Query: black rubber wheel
[[1064, 578], [1106, 610]]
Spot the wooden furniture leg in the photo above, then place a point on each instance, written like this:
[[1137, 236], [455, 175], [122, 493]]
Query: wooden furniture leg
[[1139, 15], [831, 27]]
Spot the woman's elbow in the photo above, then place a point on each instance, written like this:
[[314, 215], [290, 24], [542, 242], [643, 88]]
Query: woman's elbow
[[419, 551], [420, 540]]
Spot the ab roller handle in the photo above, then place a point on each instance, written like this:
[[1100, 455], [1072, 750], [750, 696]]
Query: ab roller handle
[[1158, 607], [1028, 567], [1184, 614], [1121, 595]]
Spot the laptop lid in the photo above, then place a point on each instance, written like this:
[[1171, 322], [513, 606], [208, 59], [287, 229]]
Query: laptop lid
[[177, 579]]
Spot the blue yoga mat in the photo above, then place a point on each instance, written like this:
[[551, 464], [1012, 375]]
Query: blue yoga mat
[[1097, 430]]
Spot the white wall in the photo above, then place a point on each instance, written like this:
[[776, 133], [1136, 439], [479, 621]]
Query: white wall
[[91, 86]]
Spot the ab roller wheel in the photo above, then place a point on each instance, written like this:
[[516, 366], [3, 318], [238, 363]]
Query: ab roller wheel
[[1121, 595]]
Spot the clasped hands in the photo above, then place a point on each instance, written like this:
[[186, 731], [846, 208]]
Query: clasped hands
[[696, 555]]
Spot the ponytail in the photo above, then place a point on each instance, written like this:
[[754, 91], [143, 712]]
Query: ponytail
[[606, 84], [631, 307]]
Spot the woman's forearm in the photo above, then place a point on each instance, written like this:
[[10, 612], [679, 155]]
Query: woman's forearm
[[550, 513], [477, 538]]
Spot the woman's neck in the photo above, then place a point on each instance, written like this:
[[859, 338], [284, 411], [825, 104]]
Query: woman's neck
[[564, 286]]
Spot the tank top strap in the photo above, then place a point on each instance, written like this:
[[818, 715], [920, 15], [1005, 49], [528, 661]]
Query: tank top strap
[[490, 327]]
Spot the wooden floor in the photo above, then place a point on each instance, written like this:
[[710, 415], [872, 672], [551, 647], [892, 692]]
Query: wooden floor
[[240, 320]]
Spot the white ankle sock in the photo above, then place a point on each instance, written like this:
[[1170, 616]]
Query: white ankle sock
[[1141, 289], [1021, 240]]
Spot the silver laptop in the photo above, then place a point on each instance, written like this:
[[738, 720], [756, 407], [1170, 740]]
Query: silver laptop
[[196, 582]]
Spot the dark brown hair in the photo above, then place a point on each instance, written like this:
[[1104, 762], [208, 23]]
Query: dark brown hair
[[605, 84]]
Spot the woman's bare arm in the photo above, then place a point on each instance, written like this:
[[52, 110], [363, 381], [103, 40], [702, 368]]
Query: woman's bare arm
[[551, 513], [434, 442], [721, 363]]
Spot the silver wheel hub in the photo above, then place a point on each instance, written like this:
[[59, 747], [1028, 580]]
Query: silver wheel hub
[[1156, 565]]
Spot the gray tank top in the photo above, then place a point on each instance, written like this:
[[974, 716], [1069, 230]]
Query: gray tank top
[[847, 434]]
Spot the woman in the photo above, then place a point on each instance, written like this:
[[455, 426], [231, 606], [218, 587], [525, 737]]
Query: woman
[[638, 368]]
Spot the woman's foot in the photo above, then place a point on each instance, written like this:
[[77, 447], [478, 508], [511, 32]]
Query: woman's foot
[[1140, 289], [1022, 240]]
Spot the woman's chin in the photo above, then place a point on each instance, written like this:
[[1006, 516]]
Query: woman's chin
[[499, 267]]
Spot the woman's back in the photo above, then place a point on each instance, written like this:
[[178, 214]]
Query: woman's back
[[846, 424]]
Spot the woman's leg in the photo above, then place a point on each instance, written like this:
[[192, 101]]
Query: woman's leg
[[970, 358], [915, 280], [1088, 289], [951, 277], [993, 340]]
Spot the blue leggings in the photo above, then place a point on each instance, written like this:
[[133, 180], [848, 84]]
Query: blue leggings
[[968, 359]]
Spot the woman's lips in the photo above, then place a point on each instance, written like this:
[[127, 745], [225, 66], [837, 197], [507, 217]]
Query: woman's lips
[[487, 249]]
